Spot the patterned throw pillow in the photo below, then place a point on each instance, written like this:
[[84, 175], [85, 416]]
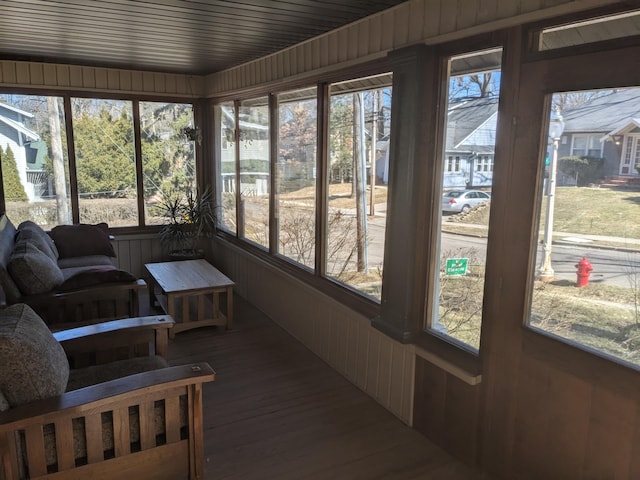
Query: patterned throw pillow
[[31, 232], [33, 270], [34, 364]]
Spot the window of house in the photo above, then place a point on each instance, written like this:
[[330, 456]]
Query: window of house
[[168, 155], [462, 234], [226, 162], [586, 285], [485, 163], [35, 162], [359, 123], [452, 164], [586, 146], [255, 170], [295, 172]]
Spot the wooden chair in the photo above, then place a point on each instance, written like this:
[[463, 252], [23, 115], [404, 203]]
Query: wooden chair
[[141, 419]]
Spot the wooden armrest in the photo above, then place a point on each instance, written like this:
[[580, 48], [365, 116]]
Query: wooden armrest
[[96, 396], [116, 333]]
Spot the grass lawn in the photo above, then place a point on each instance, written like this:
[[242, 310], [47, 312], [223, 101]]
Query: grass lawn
[[597, 211], [603, 317], [578, 210]]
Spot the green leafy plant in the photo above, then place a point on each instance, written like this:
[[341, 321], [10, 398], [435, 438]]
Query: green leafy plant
[[190, 216]]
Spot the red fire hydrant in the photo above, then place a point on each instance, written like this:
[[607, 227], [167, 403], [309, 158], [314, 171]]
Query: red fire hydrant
[[584, 270]]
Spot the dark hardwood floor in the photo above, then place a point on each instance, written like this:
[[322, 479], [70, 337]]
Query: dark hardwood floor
[[277, 411]]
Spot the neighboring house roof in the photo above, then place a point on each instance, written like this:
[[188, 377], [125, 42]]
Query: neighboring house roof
[[8, 117], [472, 123], [16, 110], [20, 128], [604, 113]]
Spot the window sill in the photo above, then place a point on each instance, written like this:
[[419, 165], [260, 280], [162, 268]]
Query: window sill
[[462, 364]]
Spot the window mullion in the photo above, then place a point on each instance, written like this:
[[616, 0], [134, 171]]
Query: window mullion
[[71, 151], [273, 157], [138, 160], [322, 170]]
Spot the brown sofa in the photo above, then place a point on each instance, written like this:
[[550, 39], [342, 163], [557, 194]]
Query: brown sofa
[[67, 275]]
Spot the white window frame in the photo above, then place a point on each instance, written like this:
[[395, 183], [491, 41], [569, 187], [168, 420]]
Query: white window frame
[[630, 154], [484, 163], [591, 142], [453, 164]]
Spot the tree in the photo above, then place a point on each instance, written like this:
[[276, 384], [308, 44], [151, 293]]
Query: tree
[[168, 158], [341, 138], [13, 188], [296, 144], [564, 101], [477, 85], [360, 181], [583, 169], [105, 158], [57, 161]]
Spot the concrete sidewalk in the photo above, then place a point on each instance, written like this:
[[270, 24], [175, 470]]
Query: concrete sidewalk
[[599, 241]]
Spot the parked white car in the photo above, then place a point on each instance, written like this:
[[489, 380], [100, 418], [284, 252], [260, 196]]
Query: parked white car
[[457, 201]]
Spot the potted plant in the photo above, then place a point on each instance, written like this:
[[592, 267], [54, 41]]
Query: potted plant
[[189, 216]]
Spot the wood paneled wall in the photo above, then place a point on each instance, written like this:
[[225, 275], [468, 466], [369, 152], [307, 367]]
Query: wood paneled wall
[[551, 410], [449, 412], [81, 78], [133, 251], [415, 21]]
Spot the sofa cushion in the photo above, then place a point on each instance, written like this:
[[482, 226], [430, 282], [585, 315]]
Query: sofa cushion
[[95, 374], [82, 277], [40, 239], [34, 365], [82, 239], [86, 261], [33, 271]]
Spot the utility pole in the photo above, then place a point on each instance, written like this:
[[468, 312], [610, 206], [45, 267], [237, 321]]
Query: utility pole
[[556, 127]]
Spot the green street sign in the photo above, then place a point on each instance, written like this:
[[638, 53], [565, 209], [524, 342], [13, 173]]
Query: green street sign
[[456, 266]]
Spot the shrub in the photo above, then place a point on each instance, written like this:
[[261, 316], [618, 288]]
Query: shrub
[[584, 170]]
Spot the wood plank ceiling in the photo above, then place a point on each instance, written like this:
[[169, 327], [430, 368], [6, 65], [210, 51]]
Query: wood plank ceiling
[[180, 36]]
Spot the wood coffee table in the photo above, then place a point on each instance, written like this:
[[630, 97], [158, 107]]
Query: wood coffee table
[[191, 284]]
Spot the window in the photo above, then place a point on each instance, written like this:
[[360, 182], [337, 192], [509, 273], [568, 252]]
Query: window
[[593, 30], [586, 146], [586, 288], [35, 164], [225, 135], [168, 155], [296, 175], [37, 169], [276, 168], [452, 164], [484, 163], [255, 176], [466, 182], [105, 160], [359, 122], [631, 155]]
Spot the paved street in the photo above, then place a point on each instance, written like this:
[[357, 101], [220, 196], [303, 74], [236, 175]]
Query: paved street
[[612, 266]]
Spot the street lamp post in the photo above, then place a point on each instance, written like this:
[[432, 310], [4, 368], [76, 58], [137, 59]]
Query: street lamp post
[[556, 127]]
